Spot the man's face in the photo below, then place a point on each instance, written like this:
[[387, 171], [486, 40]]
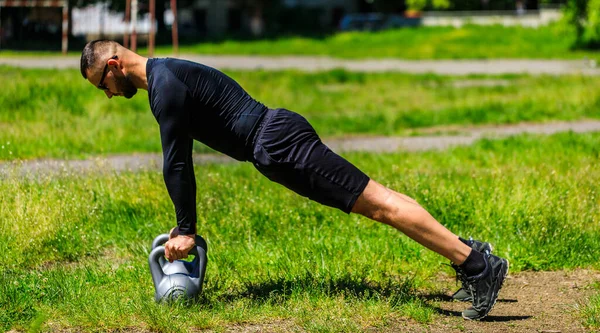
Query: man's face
[[125, 86], [112, 80]]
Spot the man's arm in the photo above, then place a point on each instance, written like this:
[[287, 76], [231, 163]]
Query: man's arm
[[178, 170], [178, 173]]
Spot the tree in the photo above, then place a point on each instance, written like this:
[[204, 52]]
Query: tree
[[257, 14], [583, 18], [388, 6], [591, 34]]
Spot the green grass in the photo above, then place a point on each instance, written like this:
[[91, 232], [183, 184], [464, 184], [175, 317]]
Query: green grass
[[75, 248], [57, 114], [590, 311], [468, 42]]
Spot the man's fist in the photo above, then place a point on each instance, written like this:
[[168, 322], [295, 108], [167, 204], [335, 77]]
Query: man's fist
[[178, 245]]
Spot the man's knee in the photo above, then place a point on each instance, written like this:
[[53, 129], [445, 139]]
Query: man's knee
[[375, 202]]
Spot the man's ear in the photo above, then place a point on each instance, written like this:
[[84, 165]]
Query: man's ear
[[113, 62], [89, 73]]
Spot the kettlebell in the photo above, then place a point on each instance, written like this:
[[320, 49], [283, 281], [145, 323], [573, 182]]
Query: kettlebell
[[180, 279], [177, 266]]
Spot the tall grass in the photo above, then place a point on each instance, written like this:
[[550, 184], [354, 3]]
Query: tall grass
[[52, 113], [75, 248], [55, 113]]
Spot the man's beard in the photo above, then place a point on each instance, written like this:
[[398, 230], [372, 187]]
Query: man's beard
[[126, 86]]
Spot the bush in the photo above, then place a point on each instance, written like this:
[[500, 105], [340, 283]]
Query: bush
[[583, 18]]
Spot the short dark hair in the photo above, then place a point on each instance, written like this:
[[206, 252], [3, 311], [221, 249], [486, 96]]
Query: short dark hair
[[92, 51]]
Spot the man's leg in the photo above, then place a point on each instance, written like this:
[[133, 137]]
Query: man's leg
[[288, 151], [384, 205], [403, 213]]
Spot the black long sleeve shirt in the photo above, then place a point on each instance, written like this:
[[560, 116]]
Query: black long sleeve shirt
[[190, 102]]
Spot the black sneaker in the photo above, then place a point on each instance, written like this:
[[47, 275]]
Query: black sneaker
[[484, 287], [462, 294]]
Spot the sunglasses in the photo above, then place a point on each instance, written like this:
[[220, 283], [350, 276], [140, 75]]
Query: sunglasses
[[104, 72]]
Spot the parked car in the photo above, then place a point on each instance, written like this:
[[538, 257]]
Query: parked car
[[376, 21]]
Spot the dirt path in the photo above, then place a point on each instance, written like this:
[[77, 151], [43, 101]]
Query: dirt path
[[150, 161], [312, 63], [467, 136], [529, 302], [544, 302]]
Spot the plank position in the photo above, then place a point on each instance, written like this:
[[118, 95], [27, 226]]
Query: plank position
[[191, 101]]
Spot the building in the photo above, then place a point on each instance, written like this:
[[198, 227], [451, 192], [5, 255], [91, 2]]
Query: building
[[218, 17]]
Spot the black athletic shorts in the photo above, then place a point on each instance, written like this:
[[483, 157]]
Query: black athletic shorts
[[287, 150]]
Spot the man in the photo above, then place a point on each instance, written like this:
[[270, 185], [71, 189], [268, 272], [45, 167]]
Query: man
[[191, 101]]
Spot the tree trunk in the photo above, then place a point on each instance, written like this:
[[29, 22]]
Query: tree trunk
[[70, 18], [160, 17], [257, 22]]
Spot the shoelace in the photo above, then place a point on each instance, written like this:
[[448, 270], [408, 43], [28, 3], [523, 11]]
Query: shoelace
[[460, 275], [473, 291]]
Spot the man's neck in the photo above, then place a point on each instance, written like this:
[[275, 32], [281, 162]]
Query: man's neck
[[141, 79], [136, 69]]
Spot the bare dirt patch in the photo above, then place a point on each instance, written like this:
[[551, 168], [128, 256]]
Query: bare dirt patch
[[544, 302], [528, 302]]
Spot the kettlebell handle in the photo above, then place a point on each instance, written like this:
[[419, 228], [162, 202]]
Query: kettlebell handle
[[163, 238], [155, 265], [160, 240]]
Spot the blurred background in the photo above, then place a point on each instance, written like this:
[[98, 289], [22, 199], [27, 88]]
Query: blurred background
[[67, 25]]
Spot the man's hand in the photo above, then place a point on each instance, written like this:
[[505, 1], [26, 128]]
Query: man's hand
[[178, 245]]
